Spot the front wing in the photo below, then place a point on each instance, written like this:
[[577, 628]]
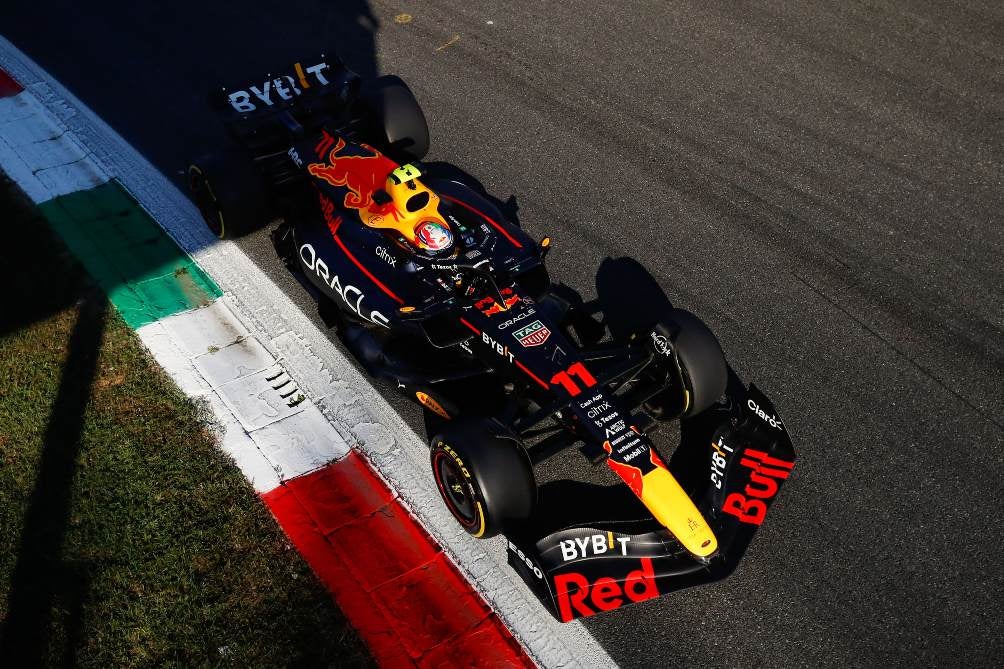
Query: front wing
[[594, 549]]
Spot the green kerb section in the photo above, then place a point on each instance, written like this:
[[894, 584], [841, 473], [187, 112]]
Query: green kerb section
[[144, 273]]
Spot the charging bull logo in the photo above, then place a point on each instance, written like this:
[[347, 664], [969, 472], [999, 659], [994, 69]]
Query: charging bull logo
[[362, 175], [489, 307]]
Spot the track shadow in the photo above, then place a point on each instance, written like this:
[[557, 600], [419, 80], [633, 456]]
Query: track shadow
[[148, 69], [145, 69], [22, 268], [40, 577], [630, 296], [612, 507]]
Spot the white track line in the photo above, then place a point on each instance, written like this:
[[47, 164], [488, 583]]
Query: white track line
[[359, 414]]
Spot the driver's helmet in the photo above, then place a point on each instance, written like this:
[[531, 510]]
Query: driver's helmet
[[433, 235]]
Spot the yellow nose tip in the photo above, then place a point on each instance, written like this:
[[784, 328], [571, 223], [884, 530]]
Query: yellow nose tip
[[669, 503]]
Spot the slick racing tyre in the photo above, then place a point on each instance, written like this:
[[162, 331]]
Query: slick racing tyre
[[395, 118], [229, 193], [702, 364], [485, 480]]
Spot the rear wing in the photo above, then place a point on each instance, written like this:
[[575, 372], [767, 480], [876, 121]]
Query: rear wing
[[324, 81]]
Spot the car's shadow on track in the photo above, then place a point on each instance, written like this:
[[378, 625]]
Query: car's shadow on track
[[41, 581]]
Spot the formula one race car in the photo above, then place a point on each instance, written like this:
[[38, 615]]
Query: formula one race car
[[432, 288]]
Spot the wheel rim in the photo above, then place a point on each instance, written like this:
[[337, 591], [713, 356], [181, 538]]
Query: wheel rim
[[205, 201], [455, 490]]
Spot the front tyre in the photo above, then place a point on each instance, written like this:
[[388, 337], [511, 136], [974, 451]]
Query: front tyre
[[485, 480], [702, 365]]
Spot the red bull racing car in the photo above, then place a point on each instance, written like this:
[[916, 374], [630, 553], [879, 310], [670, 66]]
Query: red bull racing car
[[433, 287]]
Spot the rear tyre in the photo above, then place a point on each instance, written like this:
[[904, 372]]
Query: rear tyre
[[388, 106], [702, 363], [230, 194], [485, 480]]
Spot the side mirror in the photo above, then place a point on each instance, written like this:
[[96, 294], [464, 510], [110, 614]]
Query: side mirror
[[545, 246]]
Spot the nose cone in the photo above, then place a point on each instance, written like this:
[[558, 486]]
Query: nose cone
[[672, 507], [413, 198]]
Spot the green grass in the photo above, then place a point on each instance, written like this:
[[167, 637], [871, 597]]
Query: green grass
[[126, 537]]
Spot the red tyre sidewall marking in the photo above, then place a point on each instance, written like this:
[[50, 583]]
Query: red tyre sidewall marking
[[8, 85]]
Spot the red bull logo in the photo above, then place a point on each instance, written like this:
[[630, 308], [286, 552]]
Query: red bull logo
[[362, 175], [489, 307], [405, 205]]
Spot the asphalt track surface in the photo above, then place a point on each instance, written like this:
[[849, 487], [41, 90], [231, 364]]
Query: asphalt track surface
[[822, 183]]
